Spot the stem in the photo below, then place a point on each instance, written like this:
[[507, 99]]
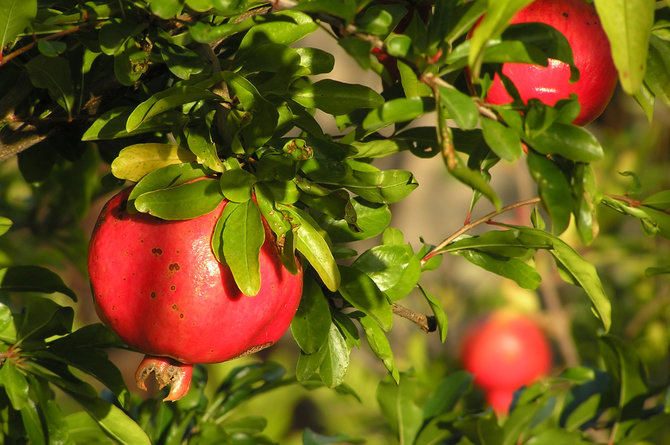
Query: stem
[[483, 220], [425, 322]]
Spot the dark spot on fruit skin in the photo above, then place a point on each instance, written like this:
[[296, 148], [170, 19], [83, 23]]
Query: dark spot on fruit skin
[[565, 14], [173, 287], [174, 267], [174, 307], [153, 294], [156, 251], [181, 315]]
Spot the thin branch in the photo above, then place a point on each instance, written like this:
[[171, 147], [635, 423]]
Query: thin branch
[[483, 220], [425, 322]]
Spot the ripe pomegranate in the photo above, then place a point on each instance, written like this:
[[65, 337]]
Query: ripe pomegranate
[[579, 23], [505, 351], [158, 285]]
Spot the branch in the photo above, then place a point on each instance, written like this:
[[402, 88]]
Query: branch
[[483, 220], [425, 322]]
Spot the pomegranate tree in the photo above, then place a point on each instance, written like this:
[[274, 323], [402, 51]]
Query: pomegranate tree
[[158, 285], [505, 351], [579, 23]]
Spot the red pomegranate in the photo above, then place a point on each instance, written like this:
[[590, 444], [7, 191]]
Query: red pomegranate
[[579, 23], [158, 285], [505, 351]]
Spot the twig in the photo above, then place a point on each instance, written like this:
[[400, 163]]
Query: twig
[[425, 322], [483, 220]]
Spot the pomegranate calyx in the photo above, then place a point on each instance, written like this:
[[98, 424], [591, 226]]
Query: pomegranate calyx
[[167, 372]]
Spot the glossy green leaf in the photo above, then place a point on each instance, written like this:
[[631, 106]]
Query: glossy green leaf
[[396, 110], [331, 360], [165, 177], [624, 364], [130, 63], [518, 271], [554, 190], [476, 181], [311, 323], [586, 200], [461, 107], [136, 161], [334, 97], [657, 76], [204, 33], [345, 9], [379, 344], [401, 412], [184, 201], [363, 294], [570, 141], [53, 73], [284, 27], [15, 16], [113, 420], [112, 124], [165, 100], [15, 384], [371, 220], [5, 225], [115, 34], [181, 61], [447, 394], [502, 140], [243, 235], [33, 279], [236, 184], [394, 268], [497, 17], [317, 61], [660, 200], [628, 27], [438, 312], [166, 9], [384, 187], [310, 242]]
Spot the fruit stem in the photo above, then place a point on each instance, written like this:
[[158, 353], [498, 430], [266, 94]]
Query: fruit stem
[[483, 220]]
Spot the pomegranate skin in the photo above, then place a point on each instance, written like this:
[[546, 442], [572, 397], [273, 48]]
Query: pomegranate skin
[[579, 23], [505, 351], [158, 285]]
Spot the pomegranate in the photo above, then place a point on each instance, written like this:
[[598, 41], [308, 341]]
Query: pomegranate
[[579, 23], [158, 285], [505, 351]]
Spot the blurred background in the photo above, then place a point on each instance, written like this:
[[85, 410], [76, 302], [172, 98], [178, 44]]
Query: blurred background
[[52, 226]]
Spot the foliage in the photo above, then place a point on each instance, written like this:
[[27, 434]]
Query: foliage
[[157, 93]]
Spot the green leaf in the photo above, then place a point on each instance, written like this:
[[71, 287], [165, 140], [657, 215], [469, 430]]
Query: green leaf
[[112, 124], [502, 140], [447, 394], [497, 17], [554, 190], [165, 100], [5, 225], [15, 384], [628, 27], [518, 271], [379, 344], [199, 141], [166, 177], [362, 293], [181, 202], [625, 366], [584, 273], [438, 312], [53, 73], [401, 412], [660, 200], [237, 184], [243, 236], [394, 268], [311, 324], [461, 107], [395, 110], [15, 16], [310, 242], [33, 279], [166, 9], [136, 161], [331, 360], [476, 180], [309, 437], [284, 27], [570, 141], [113, 420], [371, 220], [345, 9], [336, 98], [384, 187]]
